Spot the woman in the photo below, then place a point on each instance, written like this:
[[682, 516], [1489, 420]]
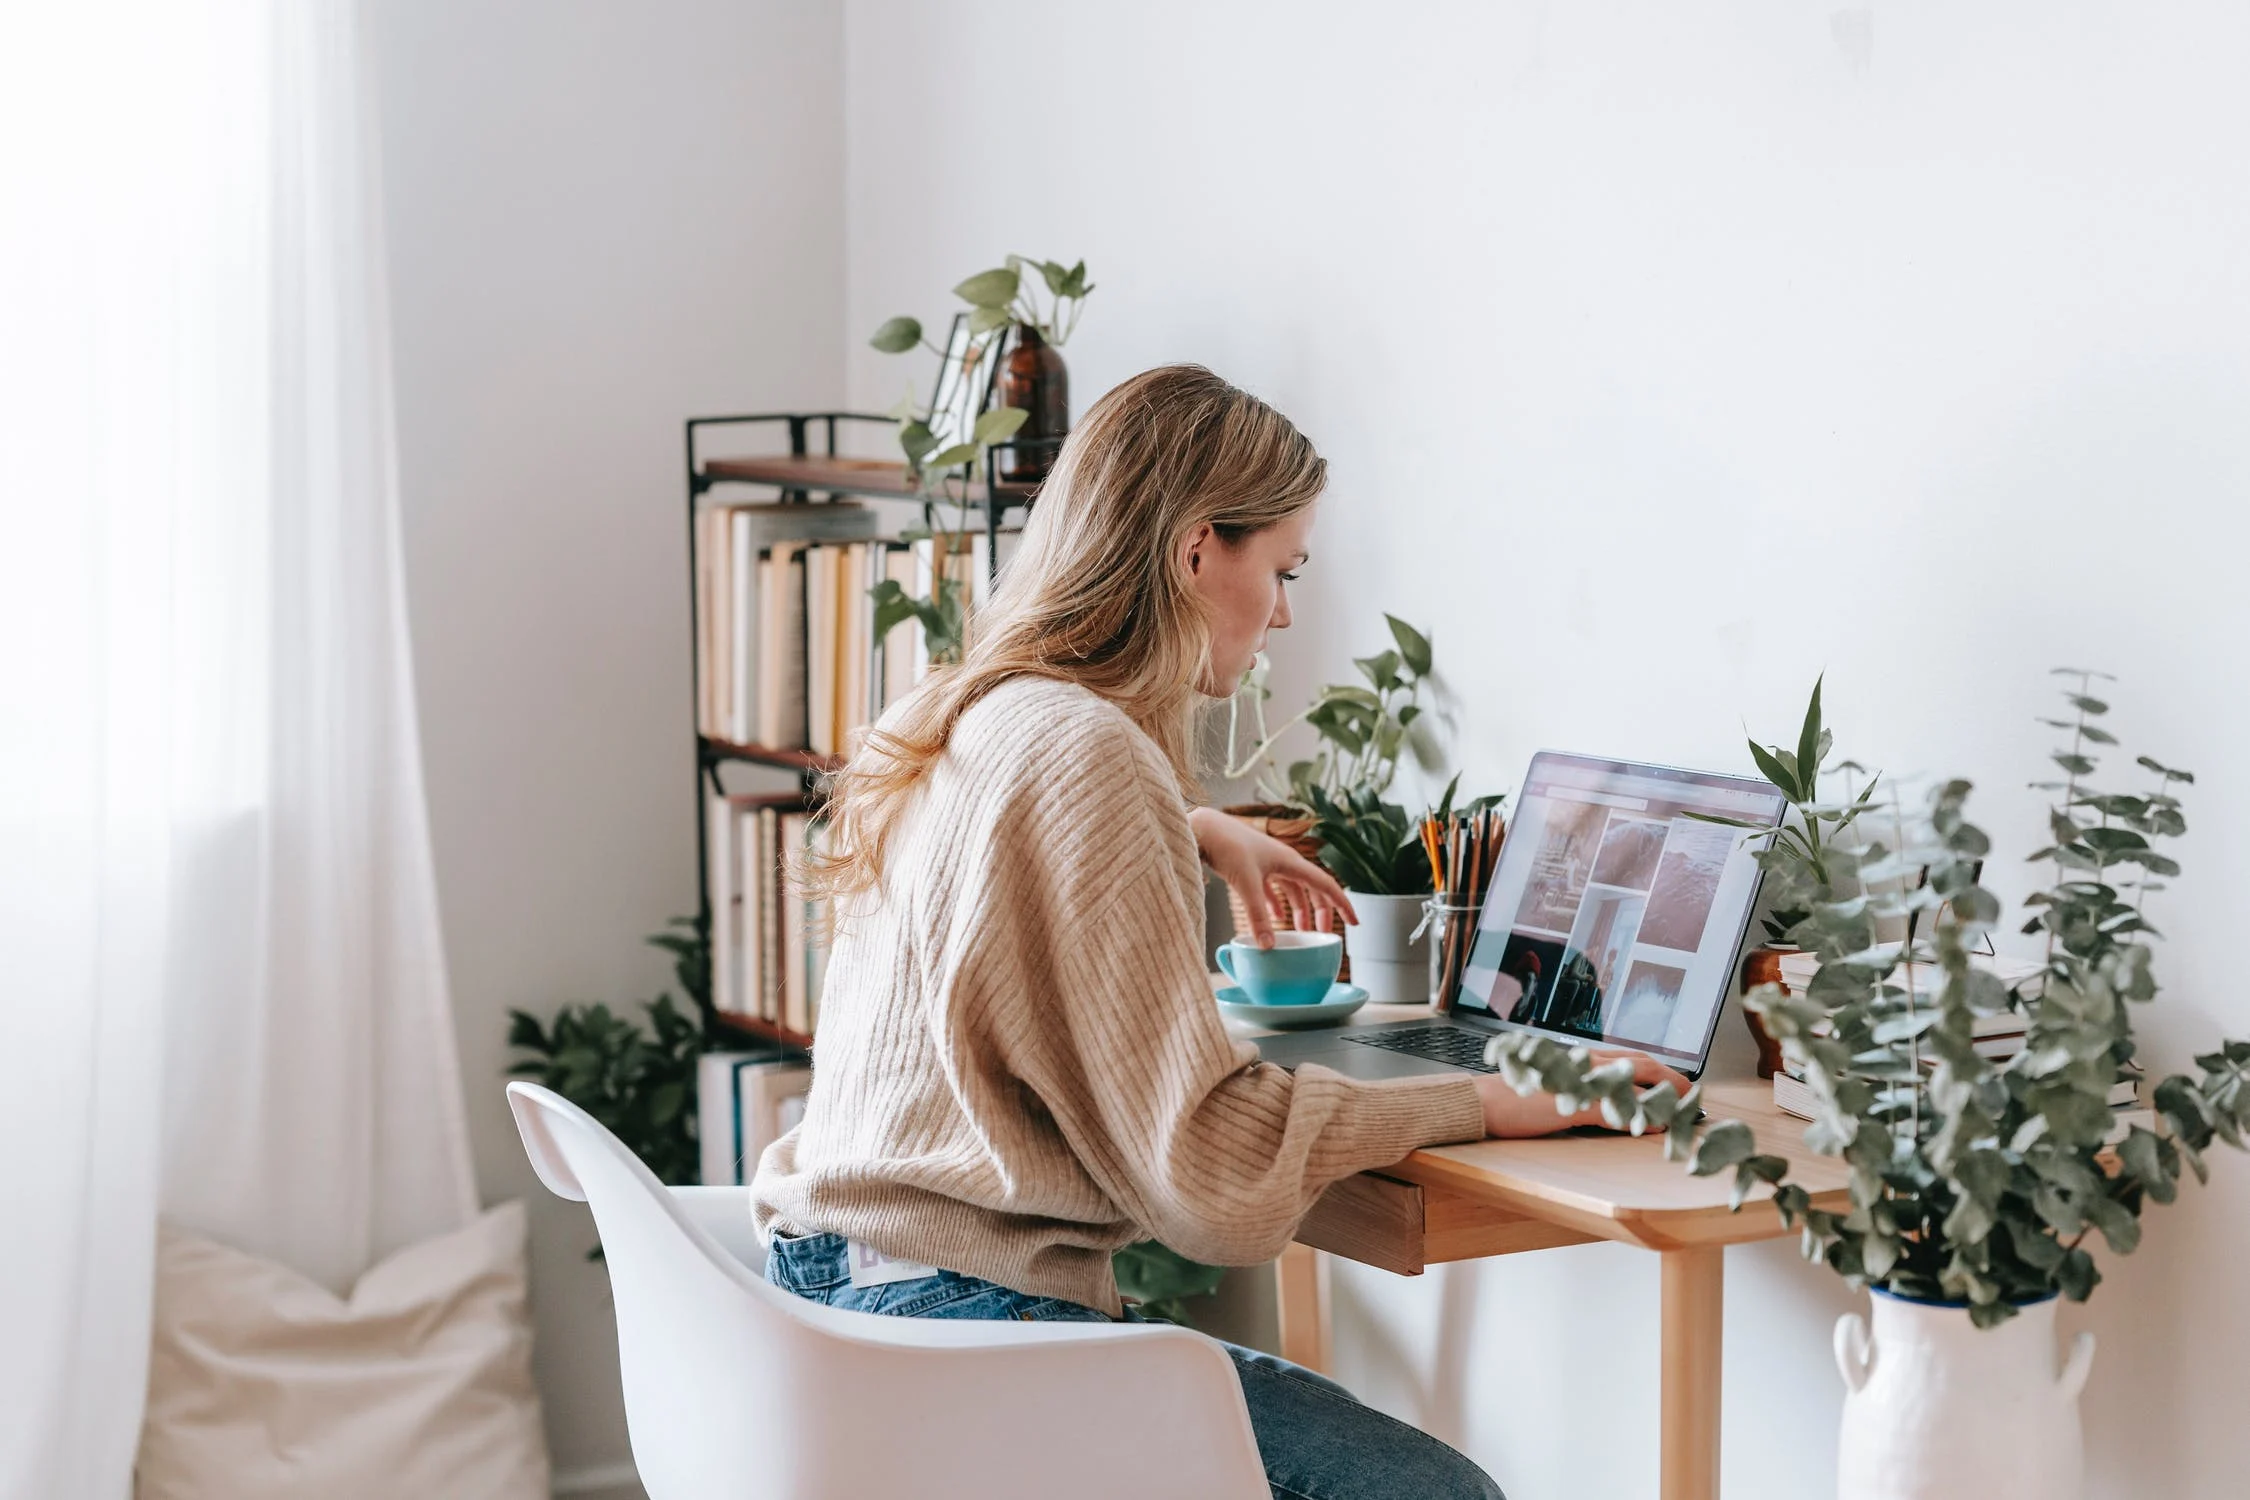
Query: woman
[[1020, 1066]]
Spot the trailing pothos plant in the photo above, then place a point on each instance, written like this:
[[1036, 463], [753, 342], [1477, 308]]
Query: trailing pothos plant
[[1970, 1181], [1361, 731], [1799, 856], [944, 449]]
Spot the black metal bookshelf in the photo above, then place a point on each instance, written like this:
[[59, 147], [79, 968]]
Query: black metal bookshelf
[[803, 476]]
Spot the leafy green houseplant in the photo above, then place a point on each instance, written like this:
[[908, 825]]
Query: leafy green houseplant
[[1164, 1282], [1798, 857], [1360, 730], [637, 1079], [944, 447], [1373, 847], [1971, 1181]]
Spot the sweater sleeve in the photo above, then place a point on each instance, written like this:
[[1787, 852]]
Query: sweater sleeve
[[1086, 962]]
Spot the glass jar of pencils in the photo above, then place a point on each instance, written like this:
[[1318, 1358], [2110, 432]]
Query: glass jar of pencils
[[1452, 929], [1464, 853]]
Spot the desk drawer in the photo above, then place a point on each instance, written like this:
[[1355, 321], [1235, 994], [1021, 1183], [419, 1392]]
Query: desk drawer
[[1403, 1227]]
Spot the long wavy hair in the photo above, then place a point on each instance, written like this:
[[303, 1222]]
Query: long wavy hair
[[1098, 594]]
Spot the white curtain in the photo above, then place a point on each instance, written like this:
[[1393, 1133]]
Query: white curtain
[[222, 994]]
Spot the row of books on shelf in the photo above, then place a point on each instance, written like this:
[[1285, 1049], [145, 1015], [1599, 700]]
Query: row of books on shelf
[[769, 949], [1997, 1037], [744, 1102], [787, 654]]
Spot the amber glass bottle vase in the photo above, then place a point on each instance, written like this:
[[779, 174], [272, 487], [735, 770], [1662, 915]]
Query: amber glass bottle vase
[[1035, 380]]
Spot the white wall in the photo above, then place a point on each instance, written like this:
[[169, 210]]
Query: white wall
[[1666, 356], [603, 219]]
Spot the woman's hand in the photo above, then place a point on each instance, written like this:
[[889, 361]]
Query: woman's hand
[[1274, 881], [1510, 1115]]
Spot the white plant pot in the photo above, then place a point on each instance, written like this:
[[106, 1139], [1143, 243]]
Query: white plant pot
[[1388, 961], [1939, 1409]]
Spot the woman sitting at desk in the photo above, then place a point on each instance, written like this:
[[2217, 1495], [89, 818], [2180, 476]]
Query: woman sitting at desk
[[1020, 1065]]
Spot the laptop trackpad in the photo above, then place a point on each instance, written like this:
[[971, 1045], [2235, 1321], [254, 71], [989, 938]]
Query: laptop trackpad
[[1352, 1059]]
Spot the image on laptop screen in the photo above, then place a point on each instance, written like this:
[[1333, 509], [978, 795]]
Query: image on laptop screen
[[1613, 917]]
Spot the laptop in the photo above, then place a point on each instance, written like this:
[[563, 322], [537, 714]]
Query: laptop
[[1613, 920]]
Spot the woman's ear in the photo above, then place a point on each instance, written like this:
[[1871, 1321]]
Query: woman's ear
[[1194, 546]]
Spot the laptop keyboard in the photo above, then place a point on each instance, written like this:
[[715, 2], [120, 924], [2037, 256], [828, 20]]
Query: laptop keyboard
[[1446, 1044]]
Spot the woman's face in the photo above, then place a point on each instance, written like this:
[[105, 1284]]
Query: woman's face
[[1244, 588]]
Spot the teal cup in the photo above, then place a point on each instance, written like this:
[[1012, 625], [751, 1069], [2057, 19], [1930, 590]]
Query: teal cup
[[1299, 969]]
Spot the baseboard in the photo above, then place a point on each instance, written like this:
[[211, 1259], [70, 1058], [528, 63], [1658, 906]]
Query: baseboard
[[596, 1478]]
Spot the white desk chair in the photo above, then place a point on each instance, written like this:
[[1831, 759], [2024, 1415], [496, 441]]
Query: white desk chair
[[737, 1390]]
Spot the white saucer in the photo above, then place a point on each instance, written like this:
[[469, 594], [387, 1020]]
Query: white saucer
[[1341, 1001]]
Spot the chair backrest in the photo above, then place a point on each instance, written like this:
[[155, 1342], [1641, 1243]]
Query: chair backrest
[[736, 1390], [705, 1347]]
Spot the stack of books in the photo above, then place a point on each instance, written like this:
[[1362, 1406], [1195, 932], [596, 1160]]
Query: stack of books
[[769, 948], [730, 543], [1998, 1038], [822, 674], [745, 1101], [787, 652]]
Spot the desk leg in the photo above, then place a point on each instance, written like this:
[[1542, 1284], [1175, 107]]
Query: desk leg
[[1301, 1287], [1694, 1295]]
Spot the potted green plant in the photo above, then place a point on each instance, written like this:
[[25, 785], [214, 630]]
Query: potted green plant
[[1370, 844], [1979, 1189], [1797, 855], [944, 449], [639, 1082]]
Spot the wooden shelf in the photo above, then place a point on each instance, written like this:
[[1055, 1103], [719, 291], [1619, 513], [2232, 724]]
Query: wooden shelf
[[765, 1031], [874, 478], [767, 755]]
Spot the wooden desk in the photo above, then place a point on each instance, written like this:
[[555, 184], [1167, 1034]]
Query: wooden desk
[[1506, 1197]]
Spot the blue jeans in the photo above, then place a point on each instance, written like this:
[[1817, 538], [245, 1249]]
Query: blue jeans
[[1316, 1440]]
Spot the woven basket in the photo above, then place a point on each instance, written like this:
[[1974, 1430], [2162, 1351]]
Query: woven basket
[[1292, 827]]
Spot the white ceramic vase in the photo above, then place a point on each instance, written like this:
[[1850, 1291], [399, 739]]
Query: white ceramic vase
[[1939, 1409], [1388, 961]]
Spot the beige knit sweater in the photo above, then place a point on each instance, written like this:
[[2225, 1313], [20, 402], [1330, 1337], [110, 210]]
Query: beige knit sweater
[[1020, 1067]]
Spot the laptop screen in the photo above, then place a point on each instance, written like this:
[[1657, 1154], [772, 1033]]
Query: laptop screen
[[1612, 917]]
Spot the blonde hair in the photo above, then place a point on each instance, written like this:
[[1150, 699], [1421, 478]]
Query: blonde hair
[[1098, 594]]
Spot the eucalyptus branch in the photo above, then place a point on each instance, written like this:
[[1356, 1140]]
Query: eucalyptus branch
[[1532, 1063]]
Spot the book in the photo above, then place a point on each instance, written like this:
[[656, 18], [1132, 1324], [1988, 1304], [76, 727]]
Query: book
[[854, 635], [742, 602], [816, 935], [740, 875], [796, 1008], [1799, 969], [769, 912], [925, 581], [784, 718], [750, 932], [731, 620], [745, 1101], [820, 650], [706, 607], [1792, 1095], [899, 647], [731, 873], [720, 669], [722, 881]]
